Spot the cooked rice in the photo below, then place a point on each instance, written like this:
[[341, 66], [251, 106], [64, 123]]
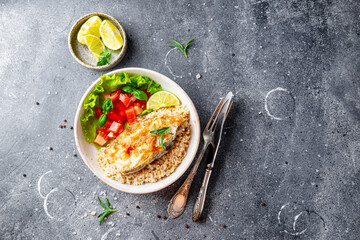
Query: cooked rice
[[161, 167]]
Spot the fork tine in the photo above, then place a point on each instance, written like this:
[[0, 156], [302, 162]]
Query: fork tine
[[208, 124], [228, 109], [213, 126]]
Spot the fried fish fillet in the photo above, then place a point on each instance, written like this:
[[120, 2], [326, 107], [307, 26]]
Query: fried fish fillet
[[136, 147]]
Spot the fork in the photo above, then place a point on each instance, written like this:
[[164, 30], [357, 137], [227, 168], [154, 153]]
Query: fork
[[178, 202], [200, 200]]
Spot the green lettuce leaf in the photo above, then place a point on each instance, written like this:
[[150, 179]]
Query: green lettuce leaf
[[109, 84]]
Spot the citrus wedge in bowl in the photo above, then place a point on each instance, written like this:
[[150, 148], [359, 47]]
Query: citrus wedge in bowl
[[163, 99], [91, 26], [111, 35], [95, 45]]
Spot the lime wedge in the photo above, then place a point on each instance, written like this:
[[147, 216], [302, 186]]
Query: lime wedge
[[91, 26], [162, 99], [95, 45], [110, 35]]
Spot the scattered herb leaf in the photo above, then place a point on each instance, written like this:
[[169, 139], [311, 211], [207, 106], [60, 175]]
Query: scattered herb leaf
[[146, 111], [181, 47], [108, 210], [105, 58], [160, 133]]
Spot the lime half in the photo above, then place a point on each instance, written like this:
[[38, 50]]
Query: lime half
[[110, 35], [91, 26], [95, 45], [162, 99]]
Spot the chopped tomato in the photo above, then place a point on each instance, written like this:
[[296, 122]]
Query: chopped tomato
[[125, 98], [101, 138], [112, 115], [113, 96], [130, 115], [98, 112], [111, 135], [133, 98], [141, 104], [107, 124], [116, 128], [119, 107], [137, 110]]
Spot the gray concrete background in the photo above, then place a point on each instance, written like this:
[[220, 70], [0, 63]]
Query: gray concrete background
[[291, 140]]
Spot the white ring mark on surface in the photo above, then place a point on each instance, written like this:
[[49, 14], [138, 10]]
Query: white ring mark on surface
[[45, 202], [294, 222], [39, 183], [297, 233], [104, 237], [65, 203], [282, 207], [266, 103], [167, 65]]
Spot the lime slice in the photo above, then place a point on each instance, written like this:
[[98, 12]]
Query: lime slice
[[110, 35], [162, 99], [95, 45], [91, 26]]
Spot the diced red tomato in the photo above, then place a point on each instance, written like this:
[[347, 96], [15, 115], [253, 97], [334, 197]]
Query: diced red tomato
[[141, 104], [130, 115], [114, 116], [106, 95], [125, 98], [119, 107], [98, 112], [115, 127], [107, 124], [111, 135], [137, 110], [101, 138], [114, 96], [133, 98]]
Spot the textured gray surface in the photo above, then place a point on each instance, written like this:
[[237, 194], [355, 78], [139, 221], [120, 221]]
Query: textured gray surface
[[295, 148]]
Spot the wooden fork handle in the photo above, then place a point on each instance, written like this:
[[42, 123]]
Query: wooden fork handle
[[178, 202]]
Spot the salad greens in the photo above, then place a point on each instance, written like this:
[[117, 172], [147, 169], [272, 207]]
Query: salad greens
[[109, 84]]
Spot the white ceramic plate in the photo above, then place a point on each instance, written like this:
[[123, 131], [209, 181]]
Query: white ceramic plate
[[88, 150]]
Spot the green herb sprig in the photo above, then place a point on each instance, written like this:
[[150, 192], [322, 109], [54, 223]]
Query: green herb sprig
[[108, 210], [181, 47], [106, 107], [105, 59], [160, 133], [146, 111], [141, 95]]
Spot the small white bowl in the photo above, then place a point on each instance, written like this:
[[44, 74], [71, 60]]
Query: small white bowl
[[88, 150]]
